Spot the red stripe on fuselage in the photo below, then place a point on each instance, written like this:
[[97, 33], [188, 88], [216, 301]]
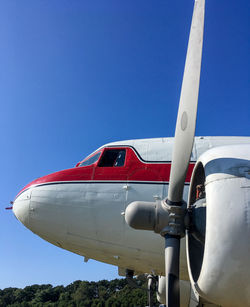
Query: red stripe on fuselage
[[133, 170]]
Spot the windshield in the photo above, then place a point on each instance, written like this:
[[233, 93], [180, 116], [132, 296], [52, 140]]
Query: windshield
[[91, 160]]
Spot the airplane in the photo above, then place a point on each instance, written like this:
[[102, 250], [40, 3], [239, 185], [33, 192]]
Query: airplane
[[88, 209]]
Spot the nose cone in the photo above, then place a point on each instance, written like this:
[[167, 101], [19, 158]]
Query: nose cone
[[21, 207]]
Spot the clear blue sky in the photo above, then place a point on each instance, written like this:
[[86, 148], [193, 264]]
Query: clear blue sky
[[77, 74]]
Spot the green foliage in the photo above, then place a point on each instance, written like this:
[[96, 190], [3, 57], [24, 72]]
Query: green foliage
[[114, 293]]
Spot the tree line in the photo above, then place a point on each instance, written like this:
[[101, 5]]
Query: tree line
[[114, 293]]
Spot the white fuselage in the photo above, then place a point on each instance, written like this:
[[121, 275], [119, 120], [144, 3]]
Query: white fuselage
[[86, 216]]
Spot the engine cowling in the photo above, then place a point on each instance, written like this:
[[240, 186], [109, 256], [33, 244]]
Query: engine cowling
[[218, 243]]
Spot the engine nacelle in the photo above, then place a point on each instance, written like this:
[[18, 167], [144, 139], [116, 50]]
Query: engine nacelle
[[219, 265]]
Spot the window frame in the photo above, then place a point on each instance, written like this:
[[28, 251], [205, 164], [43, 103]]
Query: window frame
[[89, 157], [113, 149]]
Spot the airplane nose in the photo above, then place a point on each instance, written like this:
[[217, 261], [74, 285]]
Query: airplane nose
[[21, 207]]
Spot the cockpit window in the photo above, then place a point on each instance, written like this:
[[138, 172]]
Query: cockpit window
[[91, 160], [113, 157]]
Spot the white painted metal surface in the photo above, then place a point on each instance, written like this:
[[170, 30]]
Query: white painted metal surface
[[86, 219], [160, 149], [186, 119], [225, 273]]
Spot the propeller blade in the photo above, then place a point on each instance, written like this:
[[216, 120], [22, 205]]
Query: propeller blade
[[186, 119], [183, 144], [172, 255]]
